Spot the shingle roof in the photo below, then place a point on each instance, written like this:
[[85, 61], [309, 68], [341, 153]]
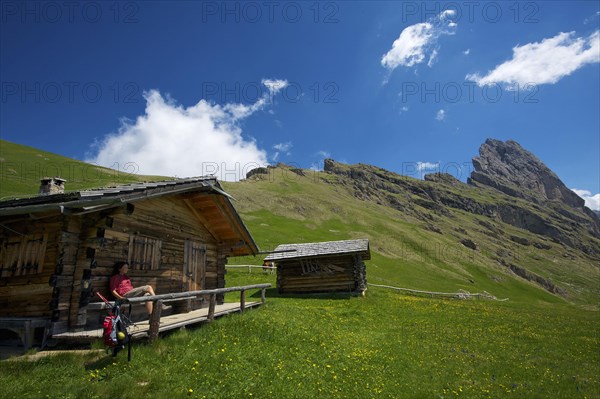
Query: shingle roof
[[121, 193], [80, 202], [360, 246]]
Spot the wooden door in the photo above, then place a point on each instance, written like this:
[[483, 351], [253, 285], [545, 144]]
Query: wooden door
[[194, 266]]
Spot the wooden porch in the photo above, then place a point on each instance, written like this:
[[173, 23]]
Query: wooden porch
[[141, 329], [156, 324]]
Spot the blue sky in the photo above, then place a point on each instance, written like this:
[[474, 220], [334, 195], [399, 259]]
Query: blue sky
[[188, 88]]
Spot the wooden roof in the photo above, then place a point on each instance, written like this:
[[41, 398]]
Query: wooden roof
[[205, 197], [315, 249]]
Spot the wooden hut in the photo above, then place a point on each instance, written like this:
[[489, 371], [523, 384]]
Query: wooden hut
[[321, 267], [57, 247]]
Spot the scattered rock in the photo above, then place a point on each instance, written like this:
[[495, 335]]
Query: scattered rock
[[469, 244], [520, 240], [433, 228], [440, 177], [298, 171], [541, 245], [536, 278], [257, 171]]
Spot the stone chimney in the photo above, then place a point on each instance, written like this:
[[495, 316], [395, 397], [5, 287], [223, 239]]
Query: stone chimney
[[52, 185]]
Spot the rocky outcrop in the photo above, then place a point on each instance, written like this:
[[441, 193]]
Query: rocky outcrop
[[550, 209], [508, 167], [442, 178], [257, 171]]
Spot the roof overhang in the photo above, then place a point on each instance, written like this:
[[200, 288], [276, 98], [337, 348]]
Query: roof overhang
[[204, 195]]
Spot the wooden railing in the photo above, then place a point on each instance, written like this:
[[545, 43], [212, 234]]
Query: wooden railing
[[269, 269], [157, 301]]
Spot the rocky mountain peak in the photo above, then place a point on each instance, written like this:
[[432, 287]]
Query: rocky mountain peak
[[508, 167]]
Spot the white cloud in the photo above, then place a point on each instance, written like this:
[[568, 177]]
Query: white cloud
[[467, 51], [432, 58], [591, 201], [274, 86], [282, 147], [441, 115], [316, 166], [423, 166], [544, 62], [173, 140], [415, 41], [446, 14], [592, 18], [323, 154]]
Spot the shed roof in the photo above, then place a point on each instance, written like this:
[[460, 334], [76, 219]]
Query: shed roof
[[314, 249], [203, 193]]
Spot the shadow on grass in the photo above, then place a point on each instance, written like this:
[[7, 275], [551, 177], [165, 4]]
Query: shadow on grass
[[102, 362]]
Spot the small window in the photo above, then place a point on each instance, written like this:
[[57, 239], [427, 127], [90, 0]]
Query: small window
[[144, 253], [20, 256]]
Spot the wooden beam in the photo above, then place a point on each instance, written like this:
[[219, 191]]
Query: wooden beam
[[155, 321], [244, 237], [201, 219], [211, 307]]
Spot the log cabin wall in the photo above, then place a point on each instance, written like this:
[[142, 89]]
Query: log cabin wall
[[56, 250], [317, 274], [155, 233], [28, 252]]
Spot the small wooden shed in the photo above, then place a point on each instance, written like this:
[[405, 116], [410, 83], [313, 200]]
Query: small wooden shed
[[56, 248], [322, 266]]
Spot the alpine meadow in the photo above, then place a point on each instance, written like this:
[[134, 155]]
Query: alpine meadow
[[534, 333]]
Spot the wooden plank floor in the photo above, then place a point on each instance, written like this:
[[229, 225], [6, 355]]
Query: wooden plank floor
[[140, 329]]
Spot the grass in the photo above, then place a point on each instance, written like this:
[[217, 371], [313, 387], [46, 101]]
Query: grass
[[404, 252], [22, 167], [383, 345]]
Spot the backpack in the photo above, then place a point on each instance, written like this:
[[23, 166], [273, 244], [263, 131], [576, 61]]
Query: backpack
[[113, 330]]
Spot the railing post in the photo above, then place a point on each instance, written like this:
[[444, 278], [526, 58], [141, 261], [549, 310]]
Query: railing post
[[155, 320], [242, 300], [263, 295], [211, 307]]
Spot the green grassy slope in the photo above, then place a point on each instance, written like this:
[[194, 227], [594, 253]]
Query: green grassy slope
[[382, 345], [22, 167], [285, 207], [289, 206]]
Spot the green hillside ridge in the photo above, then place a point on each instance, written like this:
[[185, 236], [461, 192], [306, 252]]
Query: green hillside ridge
[[538, 344], [22, 167], [416, 243], [417, 229]]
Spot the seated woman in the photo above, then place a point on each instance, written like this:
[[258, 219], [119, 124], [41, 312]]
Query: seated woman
[[121, 287]]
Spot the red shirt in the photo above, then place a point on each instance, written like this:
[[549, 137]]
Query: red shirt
[[121, 283]]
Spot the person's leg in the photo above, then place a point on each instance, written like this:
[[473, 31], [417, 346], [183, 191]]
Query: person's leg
[[149, 305], [144, 290]]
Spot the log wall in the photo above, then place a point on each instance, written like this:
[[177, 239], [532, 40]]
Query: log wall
[[167, 220], [322, 274], [81, 251], [28, 294]]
